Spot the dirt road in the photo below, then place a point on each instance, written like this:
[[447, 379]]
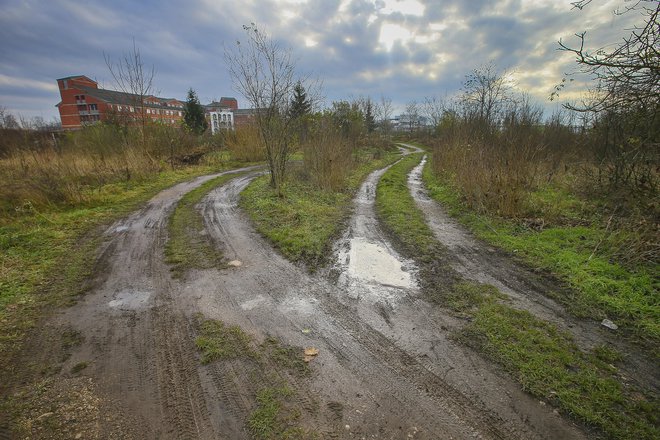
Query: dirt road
[[386, 367]]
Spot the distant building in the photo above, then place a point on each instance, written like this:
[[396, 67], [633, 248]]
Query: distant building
[[84, 103], [220, 120]]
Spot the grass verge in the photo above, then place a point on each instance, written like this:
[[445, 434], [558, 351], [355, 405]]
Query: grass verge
[[187, 247], [544, 360], [303, 222], [275, 415], [549, 365], [600, 287], [397, 208]]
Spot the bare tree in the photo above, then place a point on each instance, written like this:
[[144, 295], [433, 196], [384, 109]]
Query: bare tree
[[485, 91], [264, 72], [434, 108], [383, 111], [412, 113], [623, 107], [133, 78], [627, 75], [7, 120]]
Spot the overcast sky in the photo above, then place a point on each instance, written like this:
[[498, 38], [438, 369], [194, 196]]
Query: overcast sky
[[402, 49]]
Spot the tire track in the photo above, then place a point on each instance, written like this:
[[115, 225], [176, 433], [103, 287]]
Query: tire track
[[138, 334], [395, 384], [479, 262]]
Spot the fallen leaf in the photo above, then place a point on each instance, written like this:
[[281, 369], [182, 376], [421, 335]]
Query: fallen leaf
[[311, 351]]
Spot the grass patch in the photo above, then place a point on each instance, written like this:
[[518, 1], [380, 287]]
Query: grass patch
[[549, 365], [187, 247], [397, 208], [270, 420], [303, 222], [600, 287], [275, 415], [218, 341]]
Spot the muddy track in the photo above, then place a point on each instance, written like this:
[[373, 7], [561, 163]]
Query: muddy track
[[528, 290], [386, 368]]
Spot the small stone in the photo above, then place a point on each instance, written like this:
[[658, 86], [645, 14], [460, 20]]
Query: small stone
[[79, 436], [542, 403], [609, 324], [347, 427], [235, 263]]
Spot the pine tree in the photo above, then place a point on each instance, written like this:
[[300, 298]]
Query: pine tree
[[300, 104], [369, 119], [193, 114]]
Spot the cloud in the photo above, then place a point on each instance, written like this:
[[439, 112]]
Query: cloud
[[403, 49]]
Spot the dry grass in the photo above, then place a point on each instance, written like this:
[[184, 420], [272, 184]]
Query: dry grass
[[496, 169], [245, 144], [327, 155], [66, 171]]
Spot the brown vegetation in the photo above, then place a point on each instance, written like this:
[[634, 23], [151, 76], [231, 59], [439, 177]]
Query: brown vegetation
[[42, 169]]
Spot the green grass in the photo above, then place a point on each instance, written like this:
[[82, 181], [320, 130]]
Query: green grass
[[272, 419], [46, 257], [303, 222], [276, 415], [600, 287], [218, 341], [299, 224], [545, 361], [397, 209], [187, 247], [549, 365]]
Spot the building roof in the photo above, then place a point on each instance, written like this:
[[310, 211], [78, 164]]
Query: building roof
[[75, 76], [244, 111], [115, 97]]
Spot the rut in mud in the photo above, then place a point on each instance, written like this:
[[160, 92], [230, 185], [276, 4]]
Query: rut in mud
[[528, 290], [386, 368]]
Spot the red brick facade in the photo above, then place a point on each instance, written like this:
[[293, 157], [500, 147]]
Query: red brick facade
[[84, 103]]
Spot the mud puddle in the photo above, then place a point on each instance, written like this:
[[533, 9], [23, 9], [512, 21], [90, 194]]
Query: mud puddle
[[367, 264]]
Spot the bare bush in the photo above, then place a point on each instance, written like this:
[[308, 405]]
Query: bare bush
[[328, 153]]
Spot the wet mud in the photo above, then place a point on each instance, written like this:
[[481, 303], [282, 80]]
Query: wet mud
[[528, 289], [386, 367]]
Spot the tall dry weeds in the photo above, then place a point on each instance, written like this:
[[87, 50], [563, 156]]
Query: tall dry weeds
[[495, 169], [64, 172], [245, 144], [327, 154]]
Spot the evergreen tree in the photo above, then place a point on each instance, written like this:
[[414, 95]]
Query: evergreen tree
[[193, 114], [369, 119], [300, 104]]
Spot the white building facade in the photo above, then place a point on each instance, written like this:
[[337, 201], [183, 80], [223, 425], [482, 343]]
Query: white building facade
[[221, 120]]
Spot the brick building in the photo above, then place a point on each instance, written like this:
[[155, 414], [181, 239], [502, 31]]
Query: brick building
[[84, 103]]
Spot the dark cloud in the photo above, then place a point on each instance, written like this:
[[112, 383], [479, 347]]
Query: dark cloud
[[357, 47]]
